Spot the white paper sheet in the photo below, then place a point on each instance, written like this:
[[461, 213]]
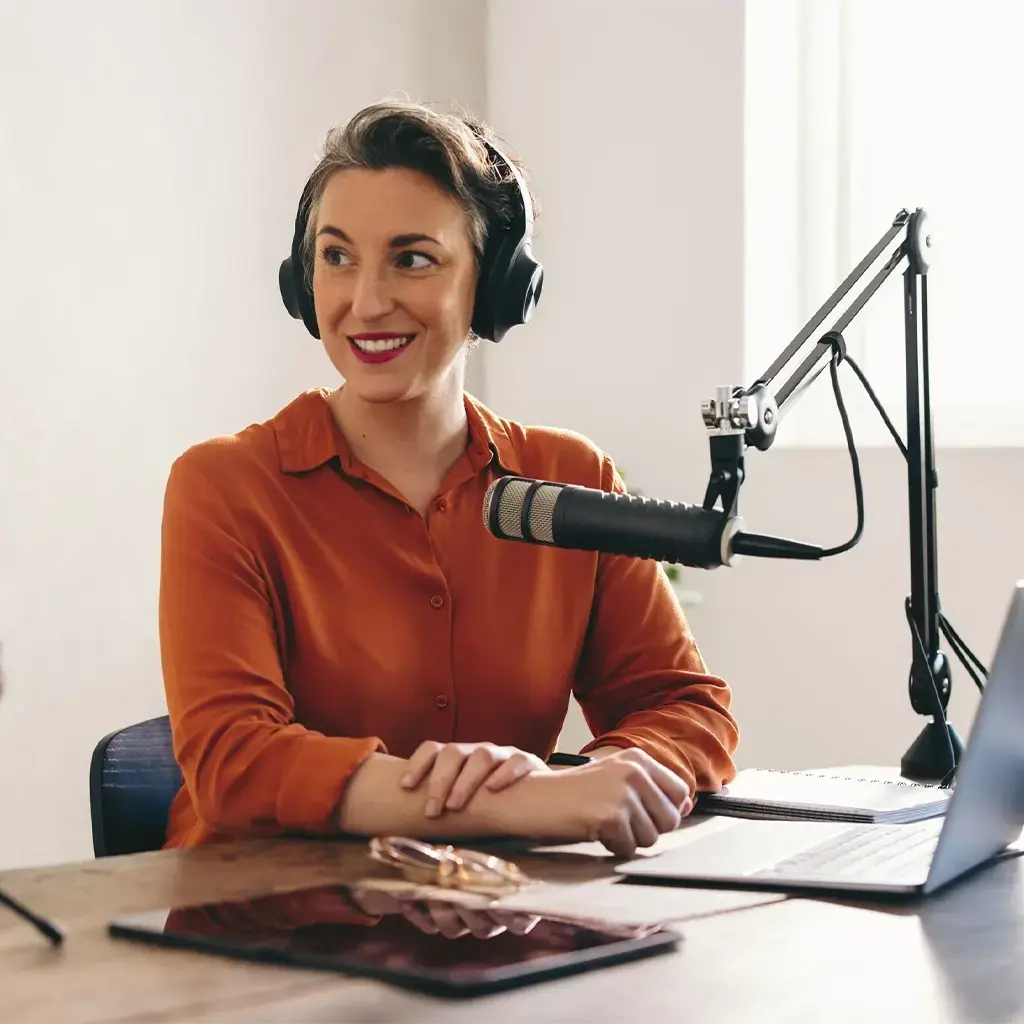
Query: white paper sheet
[[626, 904]]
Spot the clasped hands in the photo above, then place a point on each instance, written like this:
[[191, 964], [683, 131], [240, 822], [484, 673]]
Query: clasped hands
[[625, 799]]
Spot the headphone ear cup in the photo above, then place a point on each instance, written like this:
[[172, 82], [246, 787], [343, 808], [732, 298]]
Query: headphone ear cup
[[286, 282], [522, 293], [482, 324], [297, 298], [508, 291], [291, 276]]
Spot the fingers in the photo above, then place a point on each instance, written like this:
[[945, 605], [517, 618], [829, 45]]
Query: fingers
[[509, 771], [435, 917], [645, 831], [479, 922], [516, 923], [662, 812], [420, 763], [677, 791], [448, 923], [443, 774], [630, 828], [455, 771], [454, 921], [617, 834], [374, 902], [418, 916], [480, 764]]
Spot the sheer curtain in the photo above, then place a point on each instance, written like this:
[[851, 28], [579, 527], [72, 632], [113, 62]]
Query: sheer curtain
[[903, 103]]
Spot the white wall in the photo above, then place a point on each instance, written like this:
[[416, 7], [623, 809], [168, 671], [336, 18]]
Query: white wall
[[632, 118], [151, 156]]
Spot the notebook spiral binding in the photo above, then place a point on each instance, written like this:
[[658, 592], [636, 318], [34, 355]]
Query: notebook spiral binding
[[905, 783]]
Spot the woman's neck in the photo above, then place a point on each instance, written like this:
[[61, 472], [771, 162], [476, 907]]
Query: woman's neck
[[424, 436]]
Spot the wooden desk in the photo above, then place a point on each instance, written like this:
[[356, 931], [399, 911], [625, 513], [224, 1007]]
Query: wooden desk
[[957, 957]]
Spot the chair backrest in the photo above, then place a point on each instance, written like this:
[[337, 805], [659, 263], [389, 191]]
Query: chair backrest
[[132, 780]]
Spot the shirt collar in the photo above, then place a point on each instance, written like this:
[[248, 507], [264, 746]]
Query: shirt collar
[[489, 438], [306, 433], [308, 437]]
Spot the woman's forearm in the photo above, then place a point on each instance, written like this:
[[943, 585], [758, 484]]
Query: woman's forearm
[[374, 803]]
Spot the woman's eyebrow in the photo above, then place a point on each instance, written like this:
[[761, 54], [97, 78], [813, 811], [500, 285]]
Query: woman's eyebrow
[[330, 229], [397, 242]]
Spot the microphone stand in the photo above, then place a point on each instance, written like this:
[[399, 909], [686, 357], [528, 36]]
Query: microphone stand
[[740, 417]]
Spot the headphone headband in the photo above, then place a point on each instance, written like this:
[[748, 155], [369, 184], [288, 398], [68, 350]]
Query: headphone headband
[[498, 157]]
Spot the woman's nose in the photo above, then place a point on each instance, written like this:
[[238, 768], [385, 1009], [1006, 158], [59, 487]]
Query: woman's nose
[[372, 297]]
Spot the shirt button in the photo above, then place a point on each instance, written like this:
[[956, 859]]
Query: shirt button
[[441, 700], [437, 601]]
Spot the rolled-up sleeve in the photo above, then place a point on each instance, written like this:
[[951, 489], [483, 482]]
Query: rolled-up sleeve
[[641, 681], [247, 764]]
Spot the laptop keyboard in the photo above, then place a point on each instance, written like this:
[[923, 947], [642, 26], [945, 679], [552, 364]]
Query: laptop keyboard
[[864, 851]]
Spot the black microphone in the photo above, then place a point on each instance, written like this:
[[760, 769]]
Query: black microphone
[[585, 519]]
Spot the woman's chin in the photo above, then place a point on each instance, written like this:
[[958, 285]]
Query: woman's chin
[[378, 391]]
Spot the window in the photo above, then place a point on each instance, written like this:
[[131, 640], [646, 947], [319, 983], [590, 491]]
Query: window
[[855, 110]]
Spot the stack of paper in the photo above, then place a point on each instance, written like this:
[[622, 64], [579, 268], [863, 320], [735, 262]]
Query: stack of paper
[[821, 796]]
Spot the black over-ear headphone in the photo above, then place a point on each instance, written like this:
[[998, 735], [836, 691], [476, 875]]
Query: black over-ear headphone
[[508, 287]]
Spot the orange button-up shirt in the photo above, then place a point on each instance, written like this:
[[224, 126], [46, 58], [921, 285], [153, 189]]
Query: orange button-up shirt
[[309, 617]]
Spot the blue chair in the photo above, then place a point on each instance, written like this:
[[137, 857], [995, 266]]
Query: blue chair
[[133, 778]]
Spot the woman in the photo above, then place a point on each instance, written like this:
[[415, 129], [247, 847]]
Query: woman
[[345, 647]]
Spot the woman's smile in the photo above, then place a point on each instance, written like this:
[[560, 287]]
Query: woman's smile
[[379, 346]]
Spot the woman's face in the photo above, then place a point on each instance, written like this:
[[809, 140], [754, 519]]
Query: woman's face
[[394, 278]]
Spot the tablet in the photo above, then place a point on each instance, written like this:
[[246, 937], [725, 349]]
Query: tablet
[[432, 947]]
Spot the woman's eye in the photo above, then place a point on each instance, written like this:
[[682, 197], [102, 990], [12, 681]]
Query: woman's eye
[[333, 257], [408, 260]]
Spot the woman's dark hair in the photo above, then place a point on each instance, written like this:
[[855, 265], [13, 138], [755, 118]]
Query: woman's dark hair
[[446, 147]]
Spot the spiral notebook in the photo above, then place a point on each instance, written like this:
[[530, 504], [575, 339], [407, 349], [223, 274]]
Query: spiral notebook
[[823, 796]]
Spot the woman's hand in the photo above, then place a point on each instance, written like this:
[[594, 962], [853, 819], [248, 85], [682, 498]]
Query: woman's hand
[[455, 771], [436, 917], [625, 800]]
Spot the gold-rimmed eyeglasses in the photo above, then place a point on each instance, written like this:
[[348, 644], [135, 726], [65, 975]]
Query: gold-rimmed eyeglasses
[[448, 867]]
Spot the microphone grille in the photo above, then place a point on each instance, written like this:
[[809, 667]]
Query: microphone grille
[[542, 512], [511, 498], [510, 508]]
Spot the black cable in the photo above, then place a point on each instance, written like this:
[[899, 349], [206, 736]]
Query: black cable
[[878, 405], [838, 354], [960, 649], [961, 655], [858, 487], [48, 928], [940, 711], [952, 634]]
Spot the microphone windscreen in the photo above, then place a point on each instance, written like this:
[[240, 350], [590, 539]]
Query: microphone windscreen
[[511, 494]]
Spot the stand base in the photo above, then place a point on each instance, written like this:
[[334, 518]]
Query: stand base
[[927, 760]]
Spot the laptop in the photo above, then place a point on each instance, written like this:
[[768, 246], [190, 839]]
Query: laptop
[[985, 815]]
